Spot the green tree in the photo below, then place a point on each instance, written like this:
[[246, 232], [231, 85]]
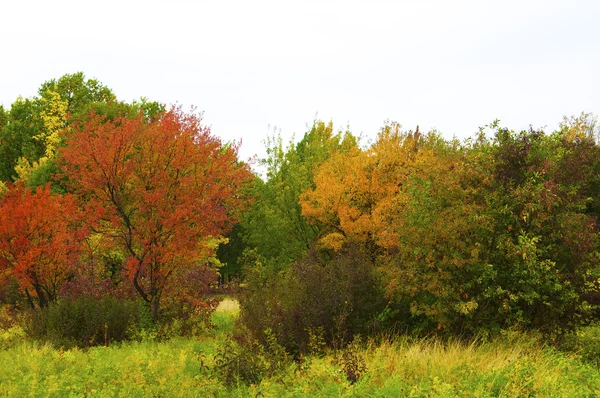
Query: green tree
[[33, 129], [78, 92], [17, 137], [3, 117], [274, 226]]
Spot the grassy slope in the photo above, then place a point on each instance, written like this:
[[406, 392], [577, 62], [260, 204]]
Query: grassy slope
[[513, 366]]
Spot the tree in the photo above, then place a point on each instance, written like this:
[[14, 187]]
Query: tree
[[489, 234], [17, 141], [77, 92], [355, 191], [3, 117], [53, 115], [164, 188], [31, 132], [274, 226], [39, 240]]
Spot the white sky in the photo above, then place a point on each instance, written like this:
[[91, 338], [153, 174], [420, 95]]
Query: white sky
[[256, 65]]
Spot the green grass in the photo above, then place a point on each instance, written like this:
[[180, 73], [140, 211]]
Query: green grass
[[510, 366]]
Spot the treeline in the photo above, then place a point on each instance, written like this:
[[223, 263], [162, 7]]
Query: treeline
[[412, 233], [422, 234]]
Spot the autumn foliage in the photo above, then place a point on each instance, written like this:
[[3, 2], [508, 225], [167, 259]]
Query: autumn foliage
[[161, 187], [103, 200], [487, 234], [39, 240]]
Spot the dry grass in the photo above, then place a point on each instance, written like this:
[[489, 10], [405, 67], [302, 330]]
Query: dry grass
[[228, 305]]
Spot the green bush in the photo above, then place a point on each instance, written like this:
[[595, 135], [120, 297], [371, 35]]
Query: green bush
[[246, 361], [338, 298], [86, 321], [352, 361], [11, 330], [181, 318], [235, 364], [584, 343]]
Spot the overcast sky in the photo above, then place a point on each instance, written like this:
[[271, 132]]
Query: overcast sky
[[253, 66]]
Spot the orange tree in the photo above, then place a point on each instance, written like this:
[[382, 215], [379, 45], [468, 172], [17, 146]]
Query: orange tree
[[356, 191], [39, 239], [164, 187]]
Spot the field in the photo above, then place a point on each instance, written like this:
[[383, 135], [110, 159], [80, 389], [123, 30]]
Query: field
[[513, 365], [406, 264]]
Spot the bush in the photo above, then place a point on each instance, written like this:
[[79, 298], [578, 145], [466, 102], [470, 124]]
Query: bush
[[9, 291], [336, 298], [86, 321], [186, 318], [584, 343], [247, 361], [352, 361], [11, 332]]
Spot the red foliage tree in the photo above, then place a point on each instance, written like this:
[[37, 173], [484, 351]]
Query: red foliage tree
[[163, 188], [39, 242]]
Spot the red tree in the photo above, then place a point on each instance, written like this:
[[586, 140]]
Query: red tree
[[39, 245], [164, 187]]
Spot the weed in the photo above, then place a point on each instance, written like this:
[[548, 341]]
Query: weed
[[353, 362], [316, 341], [235, 364]]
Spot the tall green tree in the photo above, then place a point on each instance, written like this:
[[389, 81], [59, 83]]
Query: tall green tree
[[78, 92], [17, 137], [274, 226]]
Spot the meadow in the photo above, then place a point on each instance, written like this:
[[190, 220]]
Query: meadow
[[411, 265], [510, 365]]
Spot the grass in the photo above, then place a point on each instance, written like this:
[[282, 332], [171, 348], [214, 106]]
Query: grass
[[229, 305], [512, 365]]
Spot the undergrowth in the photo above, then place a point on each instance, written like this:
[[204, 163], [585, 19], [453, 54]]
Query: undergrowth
[[214, 364]]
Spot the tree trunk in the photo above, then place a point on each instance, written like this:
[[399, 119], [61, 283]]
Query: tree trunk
[[41, 296], [30, 299], [155, 307]]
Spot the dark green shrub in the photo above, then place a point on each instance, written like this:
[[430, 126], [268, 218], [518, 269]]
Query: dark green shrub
[[340, 297], [9, 292], [86, 321]]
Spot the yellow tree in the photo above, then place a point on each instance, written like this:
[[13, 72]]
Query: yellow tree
[[356, 191], [407, 201], [54, 119]]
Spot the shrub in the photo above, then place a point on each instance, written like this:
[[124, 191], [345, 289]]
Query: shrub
[[86, 321], [352, 361], [339, 297], [11, 331], [9, 291], [236, 364], [245, 360], [186, 318], [584, 343]]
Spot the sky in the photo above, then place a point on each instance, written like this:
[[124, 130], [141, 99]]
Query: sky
[[259, 67]]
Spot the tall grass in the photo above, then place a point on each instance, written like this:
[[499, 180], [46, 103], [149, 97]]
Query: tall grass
[[513, 365]]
